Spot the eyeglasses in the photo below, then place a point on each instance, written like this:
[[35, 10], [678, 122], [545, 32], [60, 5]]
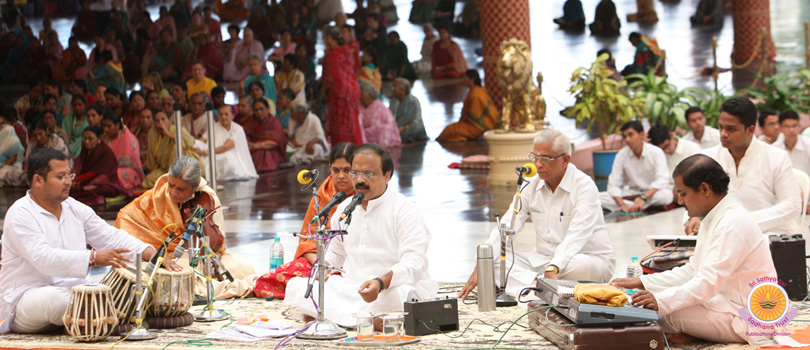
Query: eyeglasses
[[60, 178], [543, 159], [366, 174]]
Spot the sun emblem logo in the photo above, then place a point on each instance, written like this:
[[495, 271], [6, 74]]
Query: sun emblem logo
[[768, 302]]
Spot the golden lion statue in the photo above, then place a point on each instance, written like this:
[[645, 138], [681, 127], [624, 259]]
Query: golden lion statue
[[523, 104]]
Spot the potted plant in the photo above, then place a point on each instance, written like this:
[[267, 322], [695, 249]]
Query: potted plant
[[708, 101], [602, 102], [787, 90], [662, 100]]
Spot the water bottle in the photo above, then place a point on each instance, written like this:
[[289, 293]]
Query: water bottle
[[634, 270], [276, 254]]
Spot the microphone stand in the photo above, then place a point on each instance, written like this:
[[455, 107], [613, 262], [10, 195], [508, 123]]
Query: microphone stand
[[507, 234], [208, 313], [178, 132], [321, 329], [142, 331]]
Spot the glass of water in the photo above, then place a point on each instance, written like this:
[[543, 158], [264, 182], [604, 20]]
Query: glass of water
[[393, 327], [365, 327]]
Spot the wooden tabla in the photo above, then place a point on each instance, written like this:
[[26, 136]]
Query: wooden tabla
[[90, 315], [173, 293], [121, 281]]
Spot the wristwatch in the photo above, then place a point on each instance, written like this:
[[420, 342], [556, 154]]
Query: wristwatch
[[643, 197], [552, 268]]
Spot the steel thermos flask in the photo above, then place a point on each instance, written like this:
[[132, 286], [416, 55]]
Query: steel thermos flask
[[486, 278]]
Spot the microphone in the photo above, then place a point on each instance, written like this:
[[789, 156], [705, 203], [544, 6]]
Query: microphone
[[180, 249], [527, 169], [307, 176], [161, 252], [336, 199], [357, 199]]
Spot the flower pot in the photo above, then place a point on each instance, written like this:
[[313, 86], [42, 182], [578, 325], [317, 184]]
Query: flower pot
[[603, 162]]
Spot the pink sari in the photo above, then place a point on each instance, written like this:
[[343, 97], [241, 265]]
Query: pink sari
[[128, 152]]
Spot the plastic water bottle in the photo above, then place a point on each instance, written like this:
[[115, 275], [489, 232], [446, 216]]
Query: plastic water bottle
[[276, 254], [634, 270]]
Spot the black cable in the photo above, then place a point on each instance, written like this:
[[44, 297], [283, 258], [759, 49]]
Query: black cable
[[524, 292], [494, 328]]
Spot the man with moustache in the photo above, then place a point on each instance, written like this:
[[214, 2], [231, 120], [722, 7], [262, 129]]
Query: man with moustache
[[384, 253], [45, 253], [563, 203], [762, 179], [702, 299]]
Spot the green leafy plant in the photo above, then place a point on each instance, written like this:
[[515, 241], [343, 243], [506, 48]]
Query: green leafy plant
[[709, 101], [662, 100], [786, 90], [602, 101]]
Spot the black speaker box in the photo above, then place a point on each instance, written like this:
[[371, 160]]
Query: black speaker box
[[788, 256]]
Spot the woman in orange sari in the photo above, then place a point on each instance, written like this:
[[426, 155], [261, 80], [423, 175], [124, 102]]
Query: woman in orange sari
[[274, 283]]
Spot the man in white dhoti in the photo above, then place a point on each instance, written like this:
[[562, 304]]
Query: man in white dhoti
[[232, 155], [640, 177], [762, 179], [384, 252], [563, 203], [702, 299], [307, 139], [196, 123], [45, 238]]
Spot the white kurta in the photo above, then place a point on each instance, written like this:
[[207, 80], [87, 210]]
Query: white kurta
[[633, 175], [711, 137], [567, 222], [390, 235], [764, 184], [685, 148], [40, 250], [799, 155], [310, 128], [236, 163], [731, 253]]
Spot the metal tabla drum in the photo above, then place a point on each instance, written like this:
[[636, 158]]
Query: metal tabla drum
[[122, 280], [90, 315], [174, 293]]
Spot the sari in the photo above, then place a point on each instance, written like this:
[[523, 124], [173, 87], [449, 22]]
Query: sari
[[128, 153], [240, 55], [342, 96], [98, 167], [232, 11], [477, 116], [448, 62], [408, 114], [74, 129], [379, 125], [274, 283], [109, 75], [161, 154], [371, 74], [267, 130], [267, 82], [10, 146]]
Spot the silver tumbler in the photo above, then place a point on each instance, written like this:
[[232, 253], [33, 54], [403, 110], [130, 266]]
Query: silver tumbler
[[486, 278]]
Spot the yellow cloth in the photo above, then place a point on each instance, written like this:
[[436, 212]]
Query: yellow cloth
[[599, 294], [477, 116], [206, 85], [161, 154]]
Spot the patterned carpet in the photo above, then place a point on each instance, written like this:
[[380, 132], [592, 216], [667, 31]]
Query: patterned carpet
[[484, 332]]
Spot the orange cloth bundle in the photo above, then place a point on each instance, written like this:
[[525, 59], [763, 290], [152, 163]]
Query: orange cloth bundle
[[600, 294]]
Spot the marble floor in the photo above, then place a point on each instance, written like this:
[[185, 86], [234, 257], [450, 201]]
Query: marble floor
[[459, 205]]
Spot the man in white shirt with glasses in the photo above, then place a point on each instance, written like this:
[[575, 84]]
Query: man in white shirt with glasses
[[563, 204]]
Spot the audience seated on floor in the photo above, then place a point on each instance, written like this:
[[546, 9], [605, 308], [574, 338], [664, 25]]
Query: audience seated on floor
[[478, 114], [425, 64], [285, 100], [141, 132], [236, 65], [307, 141], [407, 112], [74, 125], [233, 161], [11, 149], [96, 171], [382, 270], [199, 82], [232, 10], [605, 20], [288, 77], [127, 151], [396, 63], [266, 139], [573, 17], [769, 125], [379, 125], [370, 71], [709, 12], [762, 178], [161, 152], [646, 57], [700, 300], [447, 58], [258, 73], [422, 11], [196, 123], [700, 133], [640, 176], [674, 148], [573, 245]]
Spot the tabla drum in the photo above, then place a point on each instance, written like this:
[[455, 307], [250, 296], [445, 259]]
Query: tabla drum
[[121, 281], [90, 315], [174, 293]]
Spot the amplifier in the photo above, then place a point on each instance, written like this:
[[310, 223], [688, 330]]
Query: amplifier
[[431, 316], [788, 256]]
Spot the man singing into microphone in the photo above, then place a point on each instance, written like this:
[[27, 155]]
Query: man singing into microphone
[[563, 203], [384, 251], [45, 253]]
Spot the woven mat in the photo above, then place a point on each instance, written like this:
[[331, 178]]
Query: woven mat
[[486, 329]]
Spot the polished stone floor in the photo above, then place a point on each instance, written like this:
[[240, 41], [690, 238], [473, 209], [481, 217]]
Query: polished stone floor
[[459, 205]]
